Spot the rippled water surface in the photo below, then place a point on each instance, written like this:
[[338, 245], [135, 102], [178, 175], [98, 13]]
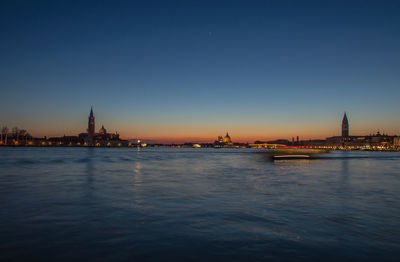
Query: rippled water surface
[[125, 204]]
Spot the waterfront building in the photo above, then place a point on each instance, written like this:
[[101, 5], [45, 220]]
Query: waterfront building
[[63, 140], [102, 138], [227, 139], [376, 141], [223, 141], [279, 142], [102, 131], [396, 142], [137, 142]]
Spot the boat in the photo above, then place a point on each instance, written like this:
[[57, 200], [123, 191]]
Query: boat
[[296, 153]]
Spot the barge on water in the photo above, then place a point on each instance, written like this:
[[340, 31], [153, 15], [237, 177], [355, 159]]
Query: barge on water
[[296, 153]]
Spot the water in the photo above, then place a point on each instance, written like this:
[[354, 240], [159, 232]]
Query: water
[[116, 204]]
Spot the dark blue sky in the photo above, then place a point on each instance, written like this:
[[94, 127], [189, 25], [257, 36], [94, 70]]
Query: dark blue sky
[[194, 69]]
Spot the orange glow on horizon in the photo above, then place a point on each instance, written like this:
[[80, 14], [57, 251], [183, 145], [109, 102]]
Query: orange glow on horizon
[[179, 132]]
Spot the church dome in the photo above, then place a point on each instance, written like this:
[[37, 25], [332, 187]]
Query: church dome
[[227, 139], [102, 130]]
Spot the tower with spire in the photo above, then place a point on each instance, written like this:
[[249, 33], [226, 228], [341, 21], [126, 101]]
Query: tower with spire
[[91, 124], [345, 126]]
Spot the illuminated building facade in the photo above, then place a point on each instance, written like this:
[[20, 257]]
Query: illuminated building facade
[[102, 131], [227, 139], [223, 141]]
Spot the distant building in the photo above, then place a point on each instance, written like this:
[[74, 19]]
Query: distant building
[[345, 126], [227, 139], [102, 138], [396, 142], [374, 141], [339, 140], [223, 141], [91, 124], [280, 142], [64, 140], [102, 131]]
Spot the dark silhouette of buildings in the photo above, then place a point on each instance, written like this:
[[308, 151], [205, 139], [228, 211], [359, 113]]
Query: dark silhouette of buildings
[[91, 124], [345, 126], [375, 141], [91, 138]]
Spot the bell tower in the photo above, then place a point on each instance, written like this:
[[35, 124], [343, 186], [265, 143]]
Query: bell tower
[[345, 126], [91, 127]]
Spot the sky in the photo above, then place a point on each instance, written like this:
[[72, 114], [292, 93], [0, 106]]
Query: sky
[[176, 71]]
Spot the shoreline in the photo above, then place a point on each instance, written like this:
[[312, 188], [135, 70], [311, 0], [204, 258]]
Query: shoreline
[[183, 146]]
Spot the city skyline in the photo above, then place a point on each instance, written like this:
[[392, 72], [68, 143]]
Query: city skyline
[[180, 71], [91, 132]]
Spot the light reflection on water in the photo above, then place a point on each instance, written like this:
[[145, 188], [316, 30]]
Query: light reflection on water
[[64, 204]]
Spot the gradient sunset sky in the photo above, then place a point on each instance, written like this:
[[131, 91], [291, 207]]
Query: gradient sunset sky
[[177, 71]]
